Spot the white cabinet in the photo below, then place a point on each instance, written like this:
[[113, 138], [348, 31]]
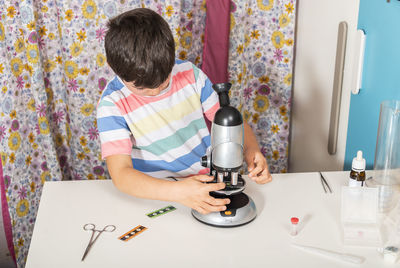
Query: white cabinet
[[314, 68]]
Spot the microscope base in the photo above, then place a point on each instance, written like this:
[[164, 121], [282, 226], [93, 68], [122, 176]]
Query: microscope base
[[240, 211]]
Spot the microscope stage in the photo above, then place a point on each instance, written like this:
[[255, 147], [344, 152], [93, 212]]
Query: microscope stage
[[240, 211]]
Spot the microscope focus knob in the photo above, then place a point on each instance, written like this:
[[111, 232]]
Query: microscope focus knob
[[205, 161]]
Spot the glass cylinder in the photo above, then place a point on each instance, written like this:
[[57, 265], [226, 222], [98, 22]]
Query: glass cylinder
[[386, 173]]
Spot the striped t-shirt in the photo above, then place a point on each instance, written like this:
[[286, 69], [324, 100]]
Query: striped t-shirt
[[166, 135]]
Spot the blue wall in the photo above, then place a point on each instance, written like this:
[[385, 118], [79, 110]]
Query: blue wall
[[381, 76]]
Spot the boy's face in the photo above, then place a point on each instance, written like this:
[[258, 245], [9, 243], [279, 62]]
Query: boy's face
[[147, 91]]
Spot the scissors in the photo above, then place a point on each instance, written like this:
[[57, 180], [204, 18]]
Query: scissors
[[92, 227]]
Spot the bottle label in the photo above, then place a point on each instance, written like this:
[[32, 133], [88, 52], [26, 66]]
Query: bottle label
[[354, 183]]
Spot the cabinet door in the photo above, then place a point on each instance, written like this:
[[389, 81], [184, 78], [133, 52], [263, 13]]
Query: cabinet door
[[380, 21], [316, 43]]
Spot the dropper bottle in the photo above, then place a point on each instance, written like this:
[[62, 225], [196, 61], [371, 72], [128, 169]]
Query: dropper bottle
[[357, 173]]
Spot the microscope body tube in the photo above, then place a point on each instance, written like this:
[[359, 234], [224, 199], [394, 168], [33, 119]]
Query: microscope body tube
[[227, 151], [227, 147], [227, 139]]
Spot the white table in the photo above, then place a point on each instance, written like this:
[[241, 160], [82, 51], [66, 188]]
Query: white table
[[176, 239]]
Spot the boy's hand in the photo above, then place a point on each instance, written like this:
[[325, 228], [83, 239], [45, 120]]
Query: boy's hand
[[195, 194], [257, 167]]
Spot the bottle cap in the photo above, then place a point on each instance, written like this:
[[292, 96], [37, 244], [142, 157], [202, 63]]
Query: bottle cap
[[294, 220], [390, 254], [358, 163]]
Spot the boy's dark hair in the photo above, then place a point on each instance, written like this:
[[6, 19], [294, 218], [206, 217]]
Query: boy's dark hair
[[140, 47]]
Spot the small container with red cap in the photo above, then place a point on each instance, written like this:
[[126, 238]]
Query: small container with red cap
[[294, 222]]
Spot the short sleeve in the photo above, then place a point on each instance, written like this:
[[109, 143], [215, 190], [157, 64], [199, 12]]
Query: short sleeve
[[208, 97], [115, 136]]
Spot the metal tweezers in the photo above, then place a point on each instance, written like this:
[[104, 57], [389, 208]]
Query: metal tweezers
[[325, 183]]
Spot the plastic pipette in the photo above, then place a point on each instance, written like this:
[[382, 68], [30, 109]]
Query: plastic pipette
[[334, 255]]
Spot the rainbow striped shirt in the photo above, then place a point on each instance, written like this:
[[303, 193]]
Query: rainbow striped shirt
[[166, 135]]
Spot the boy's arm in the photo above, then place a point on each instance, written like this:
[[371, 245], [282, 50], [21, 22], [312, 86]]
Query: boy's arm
[[256, 162], [191, 192]]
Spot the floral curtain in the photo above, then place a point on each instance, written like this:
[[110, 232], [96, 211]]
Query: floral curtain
[[260, 69], [52, 72]]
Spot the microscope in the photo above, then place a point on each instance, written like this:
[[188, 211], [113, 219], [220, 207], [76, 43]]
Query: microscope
[[225, 158]]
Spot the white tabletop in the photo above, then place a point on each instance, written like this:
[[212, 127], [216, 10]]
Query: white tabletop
[[176, 239]]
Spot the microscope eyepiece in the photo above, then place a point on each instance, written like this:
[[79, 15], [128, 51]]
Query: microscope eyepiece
[[222, 89]]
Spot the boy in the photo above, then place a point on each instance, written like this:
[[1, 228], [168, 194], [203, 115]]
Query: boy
[[151, 117]]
